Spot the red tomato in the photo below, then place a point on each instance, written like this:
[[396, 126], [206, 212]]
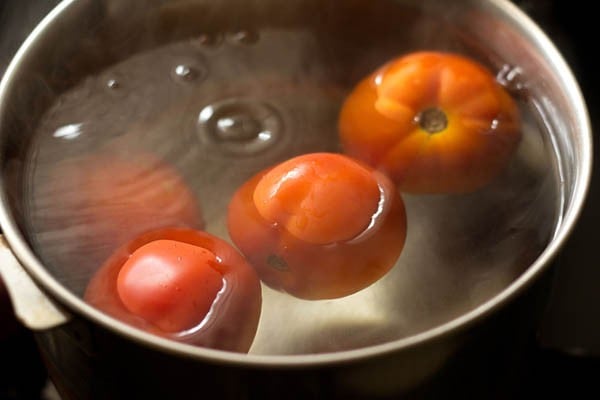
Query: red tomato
[[434, 122], [93, 204], [319, 225], [182, 284], [170, 284]]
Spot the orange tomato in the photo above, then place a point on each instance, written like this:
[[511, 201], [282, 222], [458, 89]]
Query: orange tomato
[[319, 225], [434, 122], [181, 284]]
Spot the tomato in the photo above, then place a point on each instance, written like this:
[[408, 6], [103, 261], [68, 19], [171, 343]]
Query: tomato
[[92, 204], [319, 225], [184, 285], [170, 284], [434, 122]]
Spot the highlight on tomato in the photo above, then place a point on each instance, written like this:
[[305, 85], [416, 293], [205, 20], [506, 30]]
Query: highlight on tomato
[[319, 225], [434, 122], [181, 284]]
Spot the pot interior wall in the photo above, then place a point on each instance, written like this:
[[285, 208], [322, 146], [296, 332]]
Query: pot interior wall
[[108, 77]]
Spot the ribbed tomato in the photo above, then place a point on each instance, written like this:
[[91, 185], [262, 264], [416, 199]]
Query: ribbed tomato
[[434, 122]]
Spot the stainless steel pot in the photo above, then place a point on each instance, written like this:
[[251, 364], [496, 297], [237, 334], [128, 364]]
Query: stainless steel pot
[[447, 352]]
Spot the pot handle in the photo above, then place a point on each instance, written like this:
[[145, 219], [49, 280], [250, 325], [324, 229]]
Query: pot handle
[[31, 306]]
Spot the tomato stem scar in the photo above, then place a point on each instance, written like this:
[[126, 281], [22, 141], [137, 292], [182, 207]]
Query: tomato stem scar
[[432, 120]]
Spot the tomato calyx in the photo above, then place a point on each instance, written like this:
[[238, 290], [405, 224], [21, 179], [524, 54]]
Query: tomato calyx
[[432, 120]]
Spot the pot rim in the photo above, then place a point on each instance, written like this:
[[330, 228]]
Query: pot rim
[[63, 296]]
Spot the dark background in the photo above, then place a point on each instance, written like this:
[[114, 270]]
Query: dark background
[[564, 357]]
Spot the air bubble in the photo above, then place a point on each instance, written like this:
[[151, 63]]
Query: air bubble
[[239, 126], [113, 84], [186, 72]]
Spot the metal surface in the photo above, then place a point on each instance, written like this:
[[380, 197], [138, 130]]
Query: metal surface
[[30, 305], [512, 39]]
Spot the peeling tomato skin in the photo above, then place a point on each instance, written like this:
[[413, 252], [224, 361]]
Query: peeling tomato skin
[[170, 284], [318, 270], [380, 123], [234, 314]]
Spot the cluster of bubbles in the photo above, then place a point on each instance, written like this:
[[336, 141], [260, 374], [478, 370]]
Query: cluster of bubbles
[[233, 126]]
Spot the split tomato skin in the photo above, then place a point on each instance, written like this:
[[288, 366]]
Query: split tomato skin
[[307, 266], [224, 312], [434, 122], [170, 284]]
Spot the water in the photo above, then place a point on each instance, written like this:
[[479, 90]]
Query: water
[[242, 127], [219, 107]]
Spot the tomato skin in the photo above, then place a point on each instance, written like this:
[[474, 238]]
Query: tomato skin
[[379, 123], [231, 325], [314, 271], [170, 284], [315, 197]]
